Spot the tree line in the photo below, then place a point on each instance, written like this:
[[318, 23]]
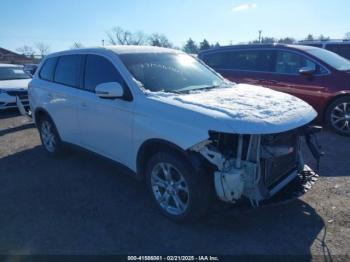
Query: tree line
[[120, 36]]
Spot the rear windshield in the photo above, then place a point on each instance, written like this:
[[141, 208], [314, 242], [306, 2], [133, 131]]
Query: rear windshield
[[12, 73], [334, 60]]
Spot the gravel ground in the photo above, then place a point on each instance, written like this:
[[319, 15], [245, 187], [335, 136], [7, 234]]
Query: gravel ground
[[81, 204]]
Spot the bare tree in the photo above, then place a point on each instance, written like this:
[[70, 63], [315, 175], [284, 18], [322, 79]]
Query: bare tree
[[26, 50], [77, 45], [42, 48], [119, 36], [159, 40]]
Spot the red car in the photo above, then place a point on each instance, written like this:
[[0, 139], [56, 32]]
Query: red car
[[318, 76]]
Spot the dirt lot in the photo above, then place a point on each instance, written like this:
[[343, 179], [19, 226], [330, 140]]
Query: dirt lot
[[80, 204]]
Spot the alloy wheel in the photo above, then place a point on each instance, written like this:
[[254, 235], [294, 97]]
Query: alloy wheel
[[170, 188], [340, 117], [48, 136]]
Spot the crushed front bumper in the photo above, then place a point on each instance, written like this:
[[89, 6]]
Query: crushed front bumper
[[259, 166], [296, 188]]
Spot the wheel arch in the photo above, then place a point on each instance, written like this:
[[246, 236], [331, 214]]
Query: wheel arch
[[329, 103], [152, 146], [41, 112]]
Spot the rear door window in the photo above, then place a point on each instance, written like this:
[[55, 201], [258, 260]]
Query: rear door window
[[247, 60], [291, 63], [253, 60], [47, 71], [68, 70], [99, 70]]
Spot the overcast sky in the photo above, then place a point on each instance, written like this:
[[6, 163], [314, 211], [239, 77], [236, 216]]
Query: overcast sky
[[60, 23]]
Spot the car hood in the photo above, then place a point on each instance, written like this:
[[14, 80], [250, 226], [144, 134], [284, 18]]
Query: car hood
[[17, 84], [245, 109]]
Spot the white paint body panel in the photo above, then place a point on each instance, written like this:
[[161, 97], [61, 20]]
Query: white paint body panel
[[105, 126], [117, 128], [12, 85], [246, 109]]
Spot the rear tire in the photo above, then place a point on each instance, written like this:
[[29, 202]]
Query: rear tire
[[181, 193], [338, 116], [49, 136]]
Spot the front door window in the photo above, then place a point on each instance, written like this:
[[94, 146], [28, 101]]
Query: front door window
[[291, 63]]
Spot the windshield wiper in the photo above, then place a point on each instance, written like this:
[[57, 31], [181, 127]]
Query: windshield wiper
[[185, 89]]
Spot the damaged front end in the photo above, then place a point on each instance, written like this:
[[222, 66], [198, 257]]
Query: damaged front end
[[256, 166]]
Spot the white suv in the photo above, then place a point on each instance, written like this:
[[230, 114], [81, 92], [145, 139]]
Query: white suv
[[170, 119]]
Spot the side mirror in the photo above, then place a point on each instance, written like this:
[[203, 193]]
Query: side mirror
[[109, 90], [308, 71]]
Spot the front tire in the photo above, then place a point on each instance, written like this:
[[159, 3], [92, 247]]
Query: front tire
[[338, 116], [181, 193], [49, 136]]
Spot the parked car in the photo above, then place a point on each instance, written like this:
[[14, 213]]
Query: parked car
[[341, 47], [318, 76], [169, 119], [13, 85]]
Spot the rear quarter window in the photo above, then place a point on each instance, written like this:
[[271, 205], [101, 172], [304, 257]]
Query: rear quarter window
[[218, 60], [47, 70]]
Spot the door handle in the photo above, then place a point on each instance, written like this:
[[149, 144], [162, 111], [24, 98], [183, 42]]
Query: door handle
[[83, 105]]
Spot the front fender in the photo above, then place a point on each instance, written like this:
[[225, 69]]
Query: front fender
[[180, 135]]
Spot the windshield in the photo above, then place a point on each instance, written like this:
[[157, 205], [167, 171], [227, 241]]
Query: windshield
[[170, 72], [333, 59], [12, 73]]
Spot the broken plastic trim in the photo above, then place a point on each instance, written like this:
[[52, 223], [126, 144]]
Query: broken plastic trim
[[312, 142], [240, 174], [234, 176]]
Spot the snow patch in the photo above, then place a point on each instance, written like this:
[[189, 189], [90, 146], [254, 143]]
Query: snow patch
[[251, 109]]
